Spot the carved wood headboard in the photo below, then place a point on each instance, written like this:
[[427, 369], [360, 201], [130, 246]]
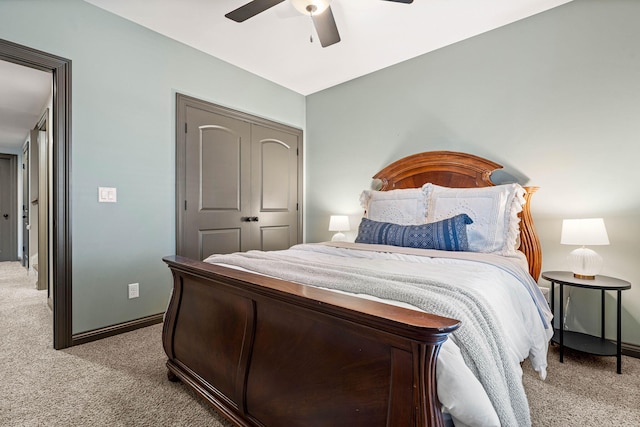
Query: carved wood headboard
[[461, 170]]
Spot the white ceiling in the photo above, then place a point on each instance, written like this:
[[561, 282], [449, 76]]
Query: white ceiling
[[275, 44], [23, 94]]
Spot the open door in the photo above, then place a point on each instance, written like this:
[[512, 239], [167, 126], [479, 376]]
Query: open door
[[25, 206], [43, 203]]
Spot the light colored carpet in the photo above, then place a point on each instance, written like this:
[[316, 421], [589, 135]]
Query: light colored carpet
[[118, 381], [584, 391], [121, 381]]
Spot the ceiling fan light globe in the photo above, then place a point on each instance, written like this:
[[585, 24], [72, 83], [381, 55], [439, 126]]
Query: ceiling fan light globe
[[307, 6]]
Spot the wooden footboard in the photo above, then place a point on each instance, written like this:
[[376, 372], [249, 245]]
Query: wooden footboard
[[267, 352]]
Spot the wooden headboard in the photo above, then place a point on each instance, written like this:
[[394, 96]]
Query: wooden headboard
[[461, 170]]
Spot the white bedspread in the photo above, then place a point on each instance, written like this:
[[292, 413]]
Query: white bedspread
[[511, 297]]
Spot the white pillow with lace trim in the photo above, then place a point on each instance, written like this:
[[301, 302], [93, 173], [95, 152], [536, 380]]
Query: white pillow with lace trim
[[494, 211], [403, 206]]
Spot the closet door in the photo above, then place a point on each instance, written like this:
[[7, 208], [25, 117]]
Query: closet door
[[237, 181], [274, 188], [218, 159]]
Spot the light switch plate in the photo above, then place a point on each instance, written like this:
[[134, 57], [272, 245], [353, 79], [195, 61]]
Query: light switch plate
[[107, 195]]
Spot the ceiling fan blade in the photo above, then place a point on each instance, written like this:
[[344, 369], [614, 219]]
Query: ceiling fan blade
[[326, 28], [251, 9], [402, 1]]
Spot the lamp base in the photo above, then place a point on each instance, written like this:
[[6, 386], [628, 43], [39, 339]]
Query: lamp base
[[584, 263], [339, 237]]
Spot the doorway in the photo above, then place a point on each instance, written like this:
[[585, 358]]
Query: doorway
[[8, 207], [60, 210]]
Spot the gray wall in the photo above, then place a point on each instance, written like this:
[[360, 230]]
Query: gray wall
[[555, 98], [124, 81]]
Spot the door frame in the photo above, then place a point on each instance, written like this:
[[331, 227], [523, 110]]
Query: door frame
[[13, 203], [61, 176]]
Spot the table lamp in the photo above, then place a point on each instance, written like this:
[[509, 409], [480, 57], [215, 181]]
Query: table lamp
[[585, 263], [339, 223]]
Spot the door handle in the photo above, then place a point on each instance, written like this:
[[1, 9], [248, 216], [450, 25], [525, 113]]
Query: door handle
[[254, 219], [249, 218], [6, 216]]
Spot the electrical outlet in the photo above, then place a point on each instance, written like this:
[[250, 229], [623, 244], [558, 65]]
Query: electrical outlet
[[134, 290]]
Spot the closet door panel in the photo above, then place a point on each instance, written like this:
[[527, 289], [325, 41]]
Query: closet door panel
[[276, 174], [220, 180], [217, 159], [275, 238], [275, 187]]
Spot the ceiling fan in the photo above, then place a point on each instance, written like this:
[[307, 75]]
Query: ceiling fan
[[319, 10]]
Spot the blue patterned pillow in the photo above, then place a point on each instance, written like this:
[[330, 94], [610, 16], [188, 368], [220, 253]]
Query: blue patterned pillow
[[447, 235]]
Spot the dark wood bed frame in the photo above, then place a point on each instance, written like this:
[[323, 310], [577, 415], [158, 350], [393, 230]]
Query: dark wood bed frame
[[267, 352]]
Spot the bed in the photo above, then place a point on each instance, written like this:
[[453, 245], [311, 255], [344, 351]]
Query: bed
[[291, 339]]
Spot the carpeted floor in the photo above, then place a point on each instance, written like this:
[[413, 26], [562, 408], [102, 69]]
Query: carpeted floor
[[584, 391], [121, 381], [118, 381]]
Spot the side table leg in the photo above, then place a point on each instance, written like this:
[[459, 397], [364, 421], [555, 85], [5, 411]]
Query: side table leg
[[561, 327], [602, 313], [619, 334]]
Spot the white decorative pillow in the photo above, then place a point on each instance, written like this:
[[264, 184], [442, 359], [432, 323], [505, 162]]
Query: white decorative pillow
[[403, 206], [494, 211]]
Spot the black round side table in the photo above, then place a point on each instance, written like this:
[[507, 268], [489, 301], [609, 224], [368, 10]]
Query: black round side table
[[585, 342]]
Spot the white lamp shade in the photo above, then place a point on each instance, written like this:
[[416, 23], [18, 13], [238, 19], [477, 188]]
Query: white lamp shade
[[339, 223], [584, 232]]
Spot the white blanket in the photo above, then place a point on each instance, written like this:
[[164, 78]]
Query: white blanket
[[459, 390]]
